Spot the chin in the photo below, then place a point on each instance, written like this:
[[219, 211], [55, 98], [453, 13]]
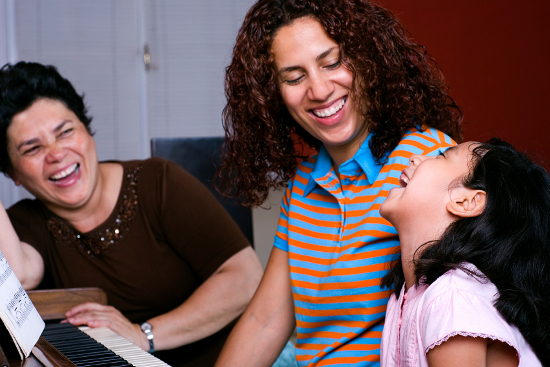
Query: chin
[[389, 211], [384, 212]]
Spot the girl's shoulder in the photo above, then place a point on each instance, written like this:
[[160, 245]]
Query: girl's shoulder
[[461, 302], [467, 279]]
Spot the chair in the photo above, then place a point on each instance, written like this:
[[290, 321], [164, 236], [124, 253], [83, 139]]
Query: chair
[[201, 157], [52, 304]]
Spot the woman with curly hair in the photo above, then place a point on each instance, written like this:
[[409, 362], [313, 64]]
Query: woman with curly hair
[[342, 77]]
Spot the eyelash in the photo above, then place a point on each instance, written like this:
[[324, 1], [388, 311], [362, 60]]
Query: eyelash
[[442, 154], [34, 148], [28, 151], [336, 65], [66, 131], [294, 81]]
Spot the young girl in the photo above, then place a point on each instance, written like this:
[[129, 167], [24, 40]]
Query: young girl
[[473, 284]]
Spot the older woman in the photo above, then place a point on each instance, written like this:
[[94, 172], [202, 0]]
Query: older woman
[[171, 260], [342, 76]]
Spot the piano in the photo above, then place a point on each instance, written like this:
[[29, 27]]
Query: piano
[[65, 345]]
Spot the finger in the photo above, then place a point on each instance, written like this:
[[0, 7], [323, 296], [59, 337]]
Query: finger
[[95, 315], [106, 318], [87, 316], [85, 307]]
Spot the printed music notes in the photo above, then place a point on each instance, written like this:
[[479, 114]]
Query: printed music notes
[[22, 325]]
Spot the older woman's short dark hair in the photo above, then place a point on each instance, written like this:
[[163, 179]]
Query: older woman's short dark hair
[[26, 82]]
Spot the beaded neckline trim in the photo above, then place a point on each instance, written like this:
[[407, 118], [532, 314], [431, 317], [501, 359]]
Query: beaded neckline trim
[[108, 236]]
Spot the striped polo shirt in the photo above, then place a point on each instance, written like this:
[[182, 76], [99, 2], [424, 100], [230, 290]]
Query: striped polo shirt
[[339, 248]]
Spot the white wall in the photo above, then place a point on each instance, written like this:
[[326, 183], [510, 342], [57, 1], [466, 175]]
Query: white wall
[[9, 193], [99, 46]]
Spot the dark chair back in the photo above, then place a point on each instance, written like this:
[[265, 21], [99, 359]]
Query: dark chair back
[[201, 157]]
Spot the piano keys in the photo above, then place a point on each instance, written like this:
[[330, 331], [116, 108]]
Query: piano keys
[[86, 346], [130, 352]]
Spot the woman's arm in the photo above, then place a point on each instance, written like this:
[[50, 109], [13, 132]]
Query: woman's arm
[[213, 305], [26, 262], [266, 325]]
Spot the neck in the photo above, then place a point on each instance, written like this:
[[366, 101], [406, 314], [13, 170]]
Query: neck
[[342, 153], [414, 242], [408, 249]]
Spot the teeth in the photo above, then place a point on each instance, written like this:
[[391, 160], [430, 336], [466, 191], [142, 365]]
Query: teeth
[[330, 111], [403, 180], [64, 173]]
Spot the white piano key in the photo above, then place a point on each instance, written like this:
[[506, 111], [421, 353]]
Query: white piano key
[[125, 349]]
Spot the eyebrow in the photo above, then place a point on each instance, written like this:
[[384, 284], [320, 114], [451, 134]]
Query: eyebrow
[[319, 57], [36, 140], [451, 149], [325, 54]]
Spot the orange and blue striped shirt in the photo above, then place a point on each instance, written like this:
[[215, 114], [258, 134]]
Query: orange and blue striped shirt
[[339, 248]]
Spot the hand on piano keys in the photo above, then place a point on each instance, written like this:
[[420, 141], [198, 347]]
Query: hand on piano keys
[[86, 346]]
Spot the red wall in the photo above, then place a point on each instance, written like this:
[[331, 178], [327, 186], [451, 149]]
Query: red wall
[[495, 55]]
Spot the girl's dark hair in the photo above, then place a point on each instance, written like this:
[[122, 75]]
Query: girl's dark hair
[[24, 83], [401, 88], [509, 242]]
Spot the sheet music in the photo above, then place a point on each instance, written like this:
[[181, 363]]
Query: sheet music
[[17, 311]]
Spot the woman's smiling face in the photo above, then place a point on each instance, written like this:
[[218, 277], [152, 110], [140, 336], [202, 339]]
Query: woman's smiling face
[[316, 87], [52, 154], [426, 187]]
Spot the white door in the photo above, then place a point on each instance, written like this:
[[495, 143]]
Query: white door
[[100, 45]]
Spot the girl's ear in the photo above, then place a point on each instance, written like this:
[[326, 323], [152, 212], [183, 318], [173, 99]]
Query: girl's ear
[[467, 202]]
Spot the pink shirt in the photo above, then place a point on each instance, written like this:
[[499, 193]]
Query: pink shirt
[[455, 304]]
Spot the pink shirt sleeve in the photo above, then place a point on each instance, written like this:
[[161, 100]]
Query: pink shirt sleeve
[[459, 304], [455, 304]]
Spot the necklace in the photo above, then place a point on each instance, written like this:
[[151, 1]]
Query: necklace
[[109, 235]]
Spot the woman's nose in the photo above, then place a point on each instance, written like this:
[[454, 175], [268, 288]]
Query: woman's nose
[[320, 88], [55, 153]]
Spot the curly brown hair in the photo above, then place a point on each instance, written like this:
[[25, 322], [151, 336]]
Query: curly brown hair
[[402, 87]]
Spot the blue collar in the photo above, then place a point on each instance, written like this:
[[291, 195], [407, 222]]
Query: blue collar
[[362, 159]]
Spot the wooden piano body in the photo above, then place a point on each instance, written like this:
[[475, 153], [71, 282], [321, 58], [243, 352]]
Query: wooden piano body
[[52, 305], [56, 359]]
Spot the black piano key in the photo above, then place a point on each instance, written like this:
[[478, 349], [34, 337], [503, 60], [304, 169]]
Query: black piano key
[[73, 356], [96, 359], [119, 362], [81, 353], [80, 348]]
